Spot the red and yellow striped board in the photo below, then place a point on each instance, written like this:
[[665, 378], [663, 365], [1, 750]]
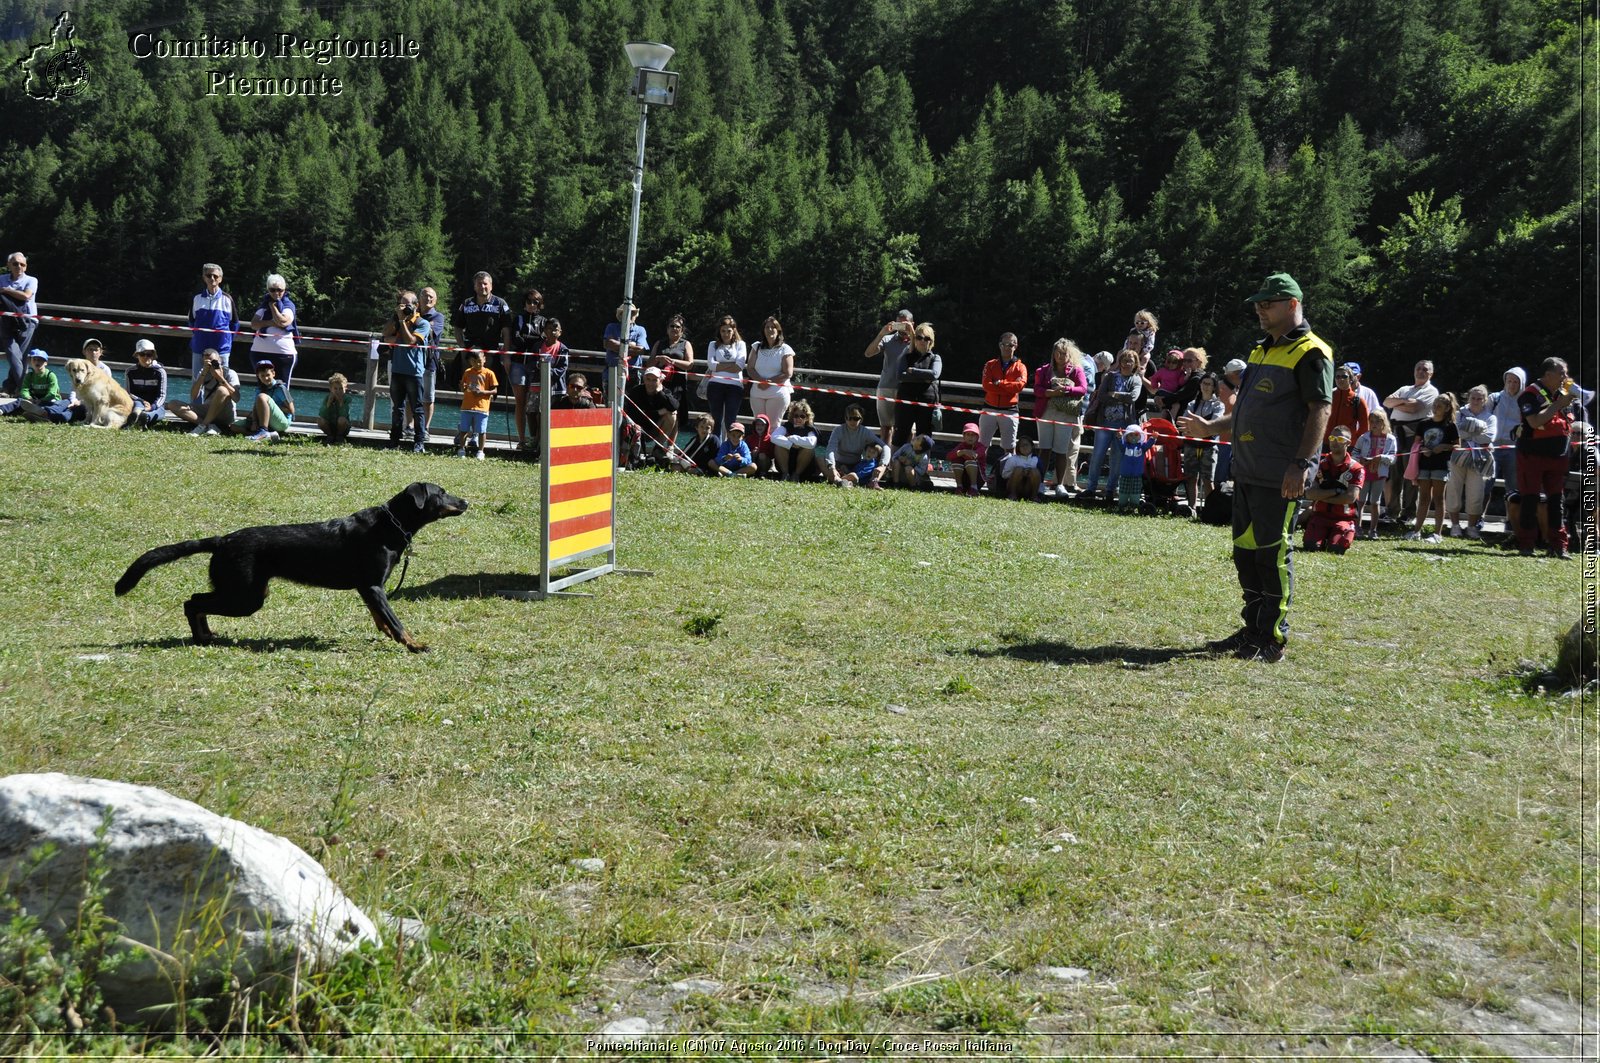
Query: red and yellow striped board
[[582, 464]]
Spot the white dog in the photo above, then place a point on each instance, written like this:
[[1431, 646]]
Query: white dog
[[104, 401]]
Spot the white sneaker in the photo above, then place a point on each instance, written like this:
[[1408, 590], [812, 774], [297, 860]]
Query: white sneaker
[[461, 452], [1063, 491], [1413, 535], [480, 454], [1434, 538], [199, 430], [213, 430]]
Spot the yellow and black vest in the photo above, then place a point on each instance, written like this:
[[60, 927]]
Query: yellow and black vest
[[1269, 414]]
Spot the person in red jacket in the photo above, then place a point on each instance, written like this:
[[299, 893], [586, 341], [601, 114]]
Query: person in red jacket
[[1003, 380], [1349, 409]]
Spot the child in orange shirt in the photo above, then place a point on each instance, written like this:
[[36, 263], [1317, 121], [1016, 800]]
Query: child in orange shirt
[[478, 385]]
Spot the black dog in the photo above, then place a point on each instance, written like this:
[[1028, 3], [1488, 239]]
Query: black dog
[[350, 553]]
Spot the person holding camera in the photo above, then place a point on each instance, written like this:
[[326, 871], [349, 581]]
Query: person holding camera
[[892, 344], [213, 397], [406, 333], [274, 322]]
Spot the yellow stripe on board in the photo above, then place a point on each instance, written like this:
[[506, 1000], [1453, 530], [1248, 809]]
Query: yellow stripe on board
[[578, 437], [572, 545], [580, 471], [579, 507]]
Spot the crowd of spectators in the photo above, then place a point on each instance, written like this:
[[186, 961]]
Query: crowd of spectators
[[1422, 460]]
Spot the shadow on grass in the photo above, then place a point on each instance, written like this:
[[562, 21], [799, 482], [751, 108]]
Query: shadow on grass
[[313, 643], [1045, 652], [476, 585], [263, 450]]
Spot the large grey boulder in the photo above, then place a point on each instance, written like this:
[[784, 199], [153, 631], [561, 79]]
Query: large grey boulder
[[202, 899], [1578, 659]]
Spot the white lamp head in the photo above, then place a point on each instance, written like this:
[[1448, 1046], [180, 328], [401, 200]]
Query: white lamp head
[[649, 55]]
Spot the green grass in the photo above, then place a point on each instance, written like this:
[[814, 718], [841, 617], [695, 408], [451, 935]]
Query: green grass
[[1231, 850]]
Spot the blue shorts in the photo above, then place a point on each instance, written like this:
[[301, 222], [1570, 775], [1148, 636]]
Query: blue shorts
[[474, 423]]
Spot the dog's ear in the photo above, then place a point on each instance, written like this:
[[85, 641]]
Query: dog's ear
[[418, 494]]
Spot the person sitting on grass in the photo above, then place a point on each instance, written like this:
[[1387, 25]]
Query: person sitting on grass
[[213, 398], [1376, 452], [39, 395], [855, 454], [913, 464], [1130, 471], [1019, 471], [147, 386], [334, 417], [699, 455], [655, 408], [270, 413], [759, 440], [733, 456], [966, 461], [794, 442], [478, 384], [1335, 497]]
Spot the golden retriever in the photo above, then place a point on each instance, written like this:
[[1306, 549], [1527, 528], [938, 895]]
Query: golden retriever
[[104, 400]]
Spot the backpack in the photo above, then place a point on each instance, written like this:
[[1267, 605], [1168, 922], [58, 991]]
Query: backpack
[[1218, 507]]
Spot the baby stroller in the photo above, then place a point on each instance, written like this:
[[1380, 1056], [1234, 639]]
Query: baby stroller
[[1163, 467]]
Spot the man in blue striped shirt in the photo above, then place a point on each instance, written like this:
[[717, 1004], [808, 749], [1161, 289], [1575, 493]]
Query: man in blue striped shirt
[[213, 319]]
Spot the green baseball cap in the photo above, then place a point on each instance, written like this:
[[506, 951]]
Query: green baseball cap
[[1277, 286]]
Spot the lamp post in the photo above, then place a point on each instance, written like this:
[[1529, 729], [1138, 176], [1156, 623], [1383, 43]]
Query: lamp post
[[652, 84]]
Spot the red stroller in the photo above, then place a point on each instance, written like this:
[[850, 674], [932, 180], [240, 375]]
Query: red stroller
[[1163, 467]]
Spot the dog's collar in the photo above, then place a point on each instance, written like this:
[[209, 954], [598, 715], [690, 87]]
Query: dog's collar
[[405, 535]]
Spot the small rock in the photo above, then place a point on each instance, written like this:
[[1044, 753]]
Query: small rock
[[1053, 557], [588, 863], [1068, 837], [1066, 974], [447, 722], [708, 986], [898, 710], [94, 656], [924, 564], [1029, 800], [635, 1026], [1055, 848]]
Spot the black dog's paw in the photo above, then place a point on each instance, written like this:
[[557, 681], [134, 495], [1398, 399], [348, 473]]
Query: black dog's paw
[[417, 647]]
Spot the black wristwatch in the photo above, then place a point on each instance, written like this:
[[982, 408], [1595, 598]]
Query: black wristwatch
[[1306, 464]]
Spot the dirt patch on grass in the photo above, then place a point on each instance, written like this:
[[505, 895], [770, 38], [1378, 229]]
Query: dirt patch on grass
[[1522, 1020]]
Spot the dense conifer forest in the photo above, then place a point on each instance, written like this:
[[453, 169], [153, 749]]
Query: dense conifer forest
[[1044, 166]]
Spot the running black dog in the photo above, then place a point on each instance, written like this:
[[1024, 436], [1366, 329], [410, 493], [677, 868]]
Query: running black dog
[[350, 553]]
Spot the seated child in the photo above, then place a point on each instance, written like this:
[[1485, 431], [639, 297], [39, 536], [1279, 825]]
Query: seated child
[[733, 456], [1335, 496], [700, 453], [762, 450], [39, 397], [334, 417], [147, 384], [1019, 471], [1130, 473], [966, 461], [1376, 451], [913, 463], [273, 408]]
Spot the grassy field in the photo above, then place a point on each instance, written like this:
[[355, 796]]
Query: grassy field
[[854, 761]]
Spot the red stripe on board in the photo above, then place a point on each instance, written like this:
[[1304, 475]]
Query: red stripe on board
[[580, 489], [561, 529], [580, 418], [584, 452]]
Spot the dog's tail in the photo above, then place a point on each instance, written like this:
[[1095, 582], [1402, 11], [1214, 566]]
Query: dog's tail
[[160, 556]]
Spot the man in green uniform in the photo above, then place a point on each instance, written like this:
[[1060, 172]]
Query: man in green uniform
[[1276, 427]]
